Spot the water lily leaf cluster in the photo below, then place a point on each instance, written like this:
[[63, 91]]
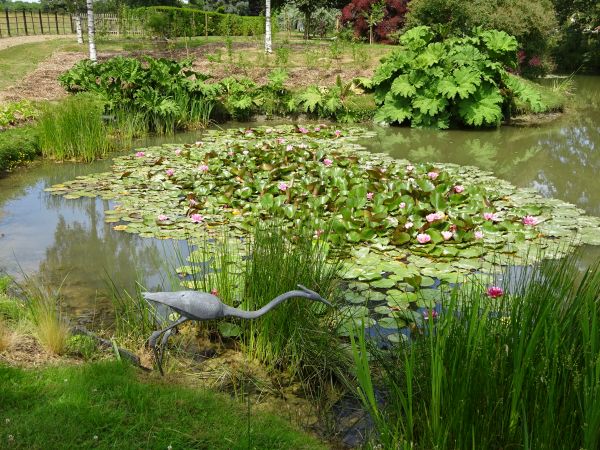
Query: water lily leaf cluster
[[407, 227]]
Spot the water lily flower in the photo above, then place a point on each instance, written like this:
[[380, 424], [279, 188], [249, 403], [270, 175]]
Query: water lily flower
[[370, 195], [447, 235], [408, 225], [283, 186], [193, 202], [328, 162], [289, 148], [453, 227], [479, 234], [434, 216], [317, 128], [495, 292], [410, 168], [280, 140], [491, 216], [318, 233], [423, 238], [170, 172], [303, 130], [459, 188], [245, 152], [203, 168], [433, 313], [178, 151], [249, 132], [162, 217], [140, 154], [302, 145], [230, 153], [402, 205], [337, 133], [530, 220], [433, 175], [196, 218]]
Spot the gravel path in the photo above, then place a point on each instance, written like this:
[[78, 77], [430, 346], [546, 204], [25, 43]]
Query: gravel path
[[18, 40]]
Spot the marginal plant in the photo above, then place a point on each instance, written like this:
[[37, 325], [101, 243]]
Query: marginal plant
[[433, 82]]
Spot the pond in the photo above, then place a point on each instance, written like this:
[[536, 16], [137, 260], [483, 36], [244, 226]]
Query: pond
[[67, 241]]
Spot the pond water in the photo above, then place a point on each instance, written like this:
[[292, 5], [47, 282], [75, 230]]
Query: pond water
[[67, 241]]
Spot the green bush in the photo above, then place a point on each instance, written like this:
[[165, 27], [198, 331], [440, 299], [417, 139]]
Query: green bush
[[170, 22], [433, 82], [74, 129], [14, 113], [533, 23], [18, 145]]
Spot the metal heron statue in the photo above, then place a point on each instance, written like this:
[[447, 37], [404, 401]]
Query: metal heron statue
[[194, 305]]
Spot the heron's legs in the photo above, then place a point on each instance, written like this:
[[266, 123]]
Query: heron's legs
[[154, 337]]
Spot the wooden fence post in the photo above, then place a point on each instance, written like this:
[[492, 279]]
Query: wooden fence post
[[16, 23], [41, 22], [24, 22], [205, 24], [56, 21]]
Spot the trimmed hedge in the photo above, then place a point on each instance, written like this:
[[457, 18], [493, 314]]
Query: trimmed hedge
[[173, 22]]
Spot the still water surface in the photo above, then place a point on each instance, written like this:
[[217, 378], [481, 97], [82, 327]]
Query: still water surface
[[67, 241]]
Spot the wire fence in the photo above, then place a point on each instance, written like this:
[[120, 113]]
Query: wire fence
[[31, 23]]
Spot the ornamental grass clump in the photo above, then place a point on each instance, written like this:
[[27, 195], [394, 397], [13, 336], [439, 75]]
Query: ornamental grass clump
[[512, 367], [74, 130]]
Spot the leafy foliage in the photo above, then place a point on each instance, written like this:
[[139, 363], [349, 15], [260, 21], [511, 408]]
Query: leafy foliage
[[14, 113], [432, 82], [357, 14]]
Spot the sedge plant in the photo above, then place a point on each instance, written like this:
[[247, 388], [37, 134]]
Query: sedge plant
[[511, 370]]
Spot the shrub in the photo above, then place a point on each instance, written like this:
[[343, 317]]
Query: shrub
[[432, 82], [74, 129], [356, 14], [518, 371], [18, 145], [532, 23], [83, 346], [172, 21]]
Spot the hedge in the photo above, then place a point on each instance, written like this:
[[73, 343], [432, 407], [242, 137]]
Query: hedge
[[172, 21]]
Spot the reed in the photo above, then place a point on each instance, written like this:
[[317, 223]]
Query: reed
[[74, 129], [520, 371]]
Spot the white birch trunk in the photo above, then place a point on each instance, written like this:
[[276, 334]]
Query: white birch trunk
[[91, 31], [268, 37], [78, 28]]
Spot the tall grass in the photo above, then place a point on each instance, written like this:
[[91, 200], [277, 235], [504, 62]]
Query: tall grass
[[74, 129], [522, 371], [5, 335]]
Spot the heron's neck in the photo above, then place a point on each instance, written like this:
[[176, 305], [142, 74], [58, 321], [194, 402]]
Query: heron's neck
[[235, 312]]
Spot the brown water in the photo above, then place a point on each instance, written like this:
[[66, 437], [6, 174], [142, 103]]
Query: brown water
[[67, 241]]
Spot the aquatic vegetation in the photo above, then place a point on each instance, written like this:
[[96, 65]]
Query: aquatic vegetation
[[519, 368], [404, 226]]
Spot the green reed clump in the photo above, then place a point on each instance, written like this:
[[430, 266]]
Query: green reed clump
[[519, 371], [74, 129]]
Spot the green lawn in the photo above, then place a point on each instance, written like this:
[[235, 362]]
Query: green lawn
[[111, 405], [18, 61]]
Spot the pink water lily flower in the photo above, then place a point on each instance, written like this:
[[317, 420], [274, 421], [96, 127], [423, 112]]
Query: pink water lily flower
[[178, 151], [408, 225], [280, 140], [337, 133], [170, 172], [328, 162], [495, 292], [318, 233], [447, 235], [433, 175], [478, 234], [410, 168], [317, 128], [140, 154], [402, 205], [196, 218], [162, 217], [530, 220], [370, 195], [491, 216], [283, 186], [303, 130], [434, 216], [289, 148], [203, 168], [427, 313], [423, 238], [459, 188]]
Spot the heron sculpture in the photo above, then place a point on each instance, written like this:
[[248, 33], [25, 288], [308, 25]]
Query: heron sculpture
[[194, 305]]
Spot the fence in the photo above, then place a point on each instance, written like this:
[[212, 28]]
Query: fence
[[29, 23]]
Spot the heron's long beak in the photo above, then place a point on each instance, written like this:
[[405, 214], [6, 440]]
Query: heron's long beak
[[321, 299], [317, 296]]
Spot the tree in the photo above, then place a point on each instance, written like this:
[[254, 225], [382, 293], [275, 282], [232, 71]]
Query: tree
[[91, 30], [374, 15], [308, 7], [365, 17]]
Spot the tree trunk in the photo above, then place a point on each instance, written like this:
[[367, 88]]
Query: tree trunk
[[78, 28], [268, 37], [91, 31], [306, 24]]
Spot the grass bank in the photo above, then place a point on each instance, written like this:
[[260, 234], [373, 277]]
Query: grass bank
[[110, 405]]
